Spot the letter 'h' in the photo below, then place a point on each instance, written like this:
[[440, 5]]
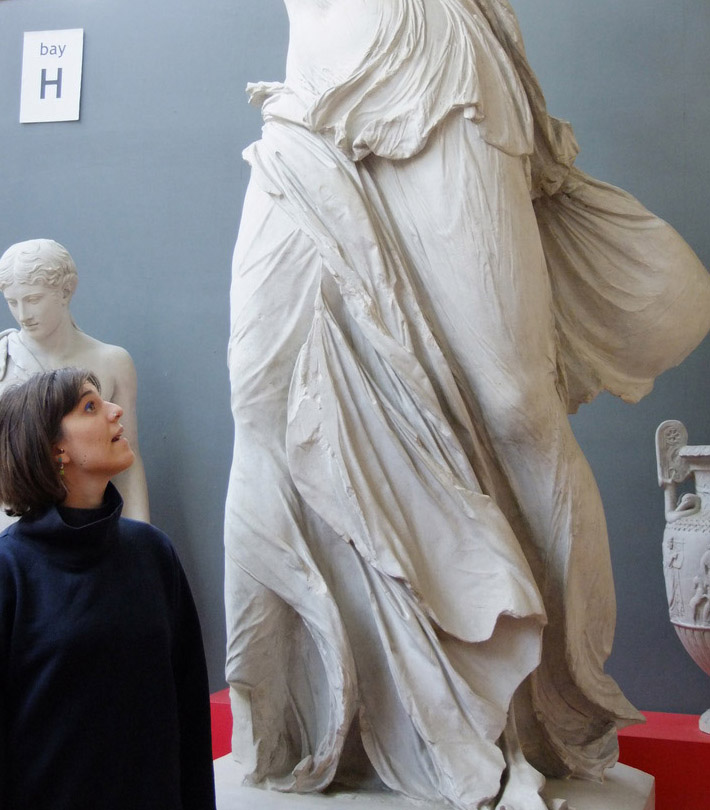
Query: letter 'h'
[[56, 82]]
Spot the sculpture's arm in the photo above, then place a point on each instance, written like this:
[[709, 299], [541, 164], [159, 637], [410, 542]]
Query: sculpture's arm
[[4, 354], [132, 482]]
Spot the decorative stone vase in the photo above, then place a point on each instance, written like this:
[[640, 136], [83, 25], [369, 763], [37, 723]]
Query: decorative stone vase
[[686, 541]]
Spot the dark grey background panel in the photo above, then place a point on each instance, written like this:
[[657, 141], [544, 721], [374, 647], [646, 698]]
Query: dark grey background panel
[[146, 192]]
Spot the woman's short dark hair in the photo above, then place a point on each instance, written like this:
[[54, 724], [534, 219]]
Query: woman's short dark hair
[[31, 414]]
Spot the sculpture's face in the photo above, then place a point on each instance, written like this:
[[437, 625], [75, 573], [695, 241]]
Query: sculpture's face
[[37, 308]]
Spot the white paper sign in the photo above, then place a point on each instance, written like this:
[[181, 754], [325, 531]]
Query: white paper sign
[[51, 75]]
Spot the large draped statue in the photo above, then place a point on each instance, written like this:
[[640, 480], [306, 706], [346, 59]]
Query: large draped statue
[[418, 581]]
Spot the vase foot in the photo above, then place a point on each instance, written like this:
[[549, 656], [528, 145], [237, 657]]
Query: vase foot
[[704, 723]]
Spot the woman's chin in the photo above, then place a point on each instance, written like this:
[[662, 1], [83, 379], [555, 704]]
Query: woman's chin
[[127, 462]]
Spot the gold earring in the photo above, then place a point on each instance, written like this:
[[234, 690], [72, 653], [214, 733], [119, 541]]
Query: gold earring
[[61, 464]]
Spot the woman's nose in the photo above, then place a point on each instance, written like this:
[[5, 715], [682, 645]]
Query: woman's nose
[[116, 411]]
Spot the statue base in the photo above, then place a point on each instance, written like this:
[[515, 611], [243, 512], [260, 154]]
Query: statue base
[[623, 789]]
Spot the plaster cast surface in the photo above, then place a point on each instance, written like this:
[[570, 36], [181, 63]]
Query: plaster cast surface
[[418, 582], [624, 788], [38, 278], [686, 541]]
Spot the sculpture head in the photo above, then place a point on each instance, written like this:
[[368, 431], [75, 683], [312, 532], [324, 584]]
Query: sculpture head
[[38, 278]]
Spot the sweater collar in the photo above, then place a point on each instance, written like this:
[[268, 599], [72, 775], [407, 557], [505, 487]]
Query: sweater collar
[[75, 545]]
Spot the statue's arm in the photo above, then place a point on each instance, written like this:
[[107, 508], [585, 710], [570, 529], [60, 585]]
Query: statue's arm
[[132, 482]]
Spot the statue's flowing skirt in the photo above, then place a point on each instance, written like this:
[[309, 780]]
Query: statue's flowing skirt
[[416, 549]]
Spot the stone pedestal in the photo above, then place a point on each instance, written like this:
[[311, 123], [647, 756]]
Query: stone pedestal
[[624, 789]]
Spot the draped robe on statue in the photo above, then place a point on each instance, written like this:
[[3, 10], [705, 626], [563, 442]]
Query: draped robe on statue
[[416, 553]]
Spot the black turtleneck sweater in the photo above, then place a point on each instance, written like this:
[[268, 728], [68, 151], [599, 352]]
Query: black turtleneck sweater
[[104, 702]]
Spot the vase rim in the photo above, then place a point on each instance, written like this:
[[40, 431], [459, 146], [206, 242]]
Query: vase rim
[[695, 451]]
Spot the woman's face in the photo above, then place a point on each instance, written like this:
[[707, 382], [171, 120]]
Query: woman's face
[[37, 308], [92, 443]]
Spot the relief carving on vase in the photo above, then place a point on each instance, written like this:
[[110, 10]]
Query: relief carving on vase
[[700, 603], [672, 565]]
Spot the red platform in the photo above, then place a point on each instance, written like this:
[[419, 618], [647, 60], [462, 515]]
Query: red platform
[[670, 747], [221, 723]]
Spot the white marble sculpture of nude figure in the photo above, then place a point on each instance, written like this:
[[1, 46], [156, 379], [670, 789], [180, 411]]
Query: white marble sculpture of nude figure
[[418, 580], [38, 278]]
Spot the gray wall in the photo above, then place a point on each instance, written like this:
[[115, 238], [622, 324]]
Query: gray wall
[[146, 192]]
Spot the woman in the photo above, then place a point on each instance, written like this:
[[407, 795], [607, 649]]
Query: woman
[[103, 690], [423, 286]]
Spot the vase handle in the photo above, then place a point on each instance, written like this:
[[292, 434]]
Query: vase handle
[[671, 436]]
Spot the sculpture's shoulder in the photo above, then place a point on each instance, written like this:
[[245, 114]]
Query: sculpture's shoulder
[[113, 365], [94, 349]]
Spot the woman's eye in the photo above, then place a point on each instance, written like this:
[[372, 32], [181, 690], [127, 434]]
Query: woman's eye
[[90, 406]]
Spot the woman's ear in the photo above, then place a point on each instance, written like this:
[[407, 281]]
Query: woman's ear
[[60, 457]]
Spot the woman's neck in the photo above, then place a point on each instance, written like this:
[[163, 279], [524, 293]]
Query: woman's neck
[[88, 495]]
